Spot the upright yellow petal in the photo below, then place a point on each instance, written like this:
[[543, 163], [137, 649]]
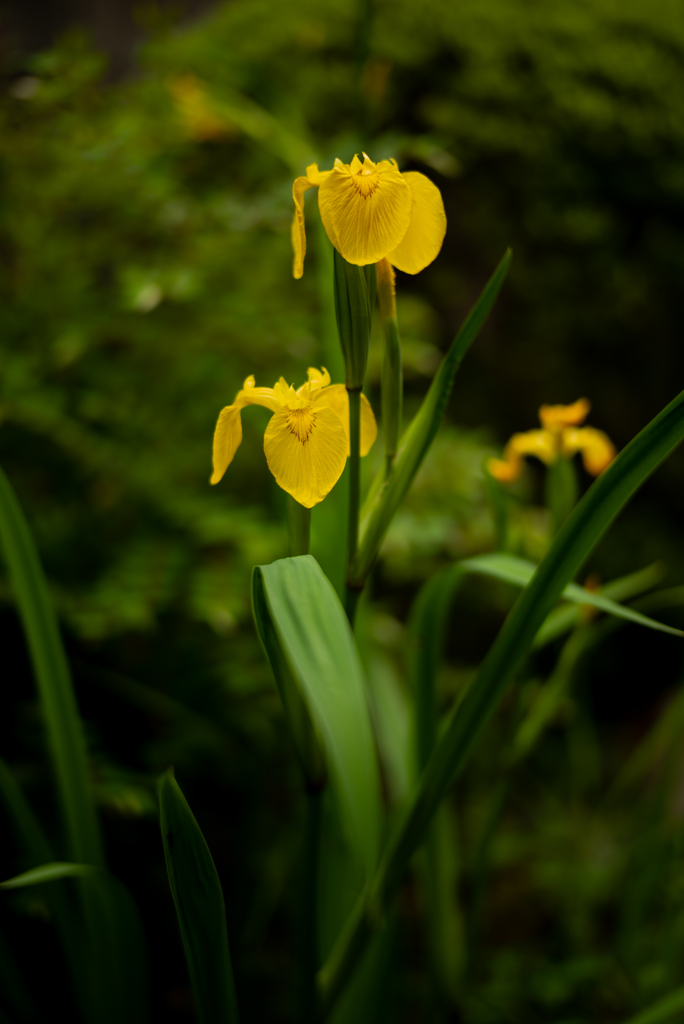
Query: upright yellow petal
[[316, 379], [598, 451], [337, 399], [365, 208], [427, 227], [228, 432], [557, 417], [306, 450]]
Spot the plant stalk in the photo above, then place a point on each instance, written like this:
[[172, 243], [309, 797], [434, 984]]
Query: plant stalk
[[352, 593], [298, 527]]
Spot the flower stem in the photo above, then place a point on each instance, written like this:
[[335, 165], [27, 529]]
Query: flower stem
[[298, 527], [354, 490], [392, 389]]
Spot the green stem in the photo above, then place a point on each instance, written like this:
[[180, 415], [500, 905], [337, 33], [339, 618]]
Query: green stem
[[309, 922], [392, 388], [352, 594], [298, 527]]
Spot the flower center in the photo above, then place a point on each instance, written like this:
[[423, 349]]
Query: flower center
[[301, 422], [365, 182]]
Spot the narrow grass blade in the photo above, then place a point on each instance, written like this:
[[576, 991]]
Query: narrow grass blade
[[198, 897], [576, 539], [293, 598], [664, 1010], [519, 572], [47, 873], [62, 721], [385, 497], [115, 981], [565, 617]]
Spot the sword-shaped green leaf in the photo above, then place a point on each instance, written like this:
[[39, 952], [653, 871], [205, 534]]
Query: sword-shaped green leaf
[[303, 627], [386, 495], [519, 572], [198, 897], [580, 533]]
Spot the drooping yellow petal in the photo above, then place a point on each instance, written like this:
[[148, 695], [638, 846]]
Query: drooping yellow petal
[[365, 208], [313, 179], [598, 451], [505, 470], [557, 417], [540, 443], [227, 440], [427, 227], [301, 185], [337, 399], [228, 432], [386, 288], [306, 450]]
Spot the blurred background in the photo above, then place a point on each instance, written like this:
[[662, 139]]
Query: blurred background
[[147, 152]]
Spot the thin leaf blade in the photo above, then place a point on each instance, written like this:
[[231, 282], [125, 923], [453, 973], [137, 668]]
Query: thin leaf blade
[[519, 571], [385, 497], [198, 898]]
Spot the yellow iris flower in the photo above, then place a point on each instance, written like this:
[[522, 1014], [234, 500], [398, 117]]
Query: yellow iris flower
[[307, 438], [371, 211], [561, 435]]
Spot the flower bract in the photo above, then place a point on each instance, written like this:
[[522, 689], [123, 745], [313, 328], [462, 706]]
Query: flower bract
[[307, 438], [371, 211], [561, 436]]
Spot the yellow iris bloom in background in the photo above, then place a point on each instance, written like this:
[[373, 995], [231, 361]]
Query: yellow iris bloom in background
[[371, 211], [307, 438], [561, 436]]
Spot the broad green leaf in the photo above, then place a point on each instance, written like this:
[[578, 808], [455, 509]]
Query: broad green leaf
[[664, 1010], [65, 734], [574, 542], [520, 572], [386, 495], [304, 629], [198, 898]]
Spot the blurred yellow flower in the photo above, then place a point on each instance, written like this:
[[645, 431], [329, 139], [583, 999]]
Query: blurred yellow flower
[[306, 440], [561, 435], [195, 110], [372, 211]]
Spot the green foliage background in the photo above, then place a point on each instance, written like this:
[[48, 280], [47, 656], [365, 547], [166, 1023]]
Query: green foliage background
[[145, 273]]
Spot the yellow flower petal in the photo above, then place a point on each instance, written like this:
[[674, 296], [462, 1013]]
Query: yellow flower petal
[[557, 417], [505, 470], [365, 208], [306, 450], [316, 379], [386, 288], [337, 399], [301, 185], [427, 227], [540, 443], [598, 451], [228, 432]]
